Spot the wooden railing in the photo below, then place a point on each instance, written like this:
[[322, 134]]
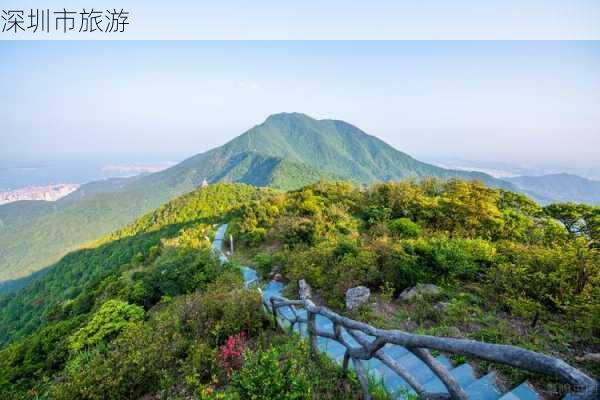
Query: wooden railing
[[583, 387]]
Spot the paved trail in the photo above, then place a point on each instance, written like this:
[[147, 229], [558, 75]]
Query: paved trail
[[482, 388]]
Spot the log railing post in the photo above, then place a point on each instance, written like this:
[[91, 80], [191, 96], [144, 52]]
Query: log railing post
[[345, 363], [274, 312], [363, 378], [312, 337], [456, 392]]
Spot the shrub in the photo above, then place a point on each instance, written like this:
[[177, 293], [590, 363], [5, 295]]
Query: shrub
[[230, 354], [453, 258], [34, 358], [222, 311], [332, 267], [113, 317], [264, 263], [288, 371], [373, 214], [296, 231], [176, 271], [141, 360], [200, 365], [404, 227], [265, 377], [398, 266]]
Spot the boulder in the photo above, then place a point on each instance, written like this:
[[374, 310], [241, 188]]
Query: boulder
[[275, 269], [426, 289], [275, 273], [592, 357], [356, 297], [441, 306], [409, 325]]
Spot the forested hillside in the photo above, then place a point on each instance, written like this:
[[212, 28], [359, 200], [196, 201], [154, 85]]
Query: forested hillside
[[287, 151], [187, 218], [505, 270], [148, 309]]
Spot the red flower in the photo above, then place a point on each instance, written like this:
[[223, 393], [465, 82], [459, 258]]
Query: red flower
[[230, 355]]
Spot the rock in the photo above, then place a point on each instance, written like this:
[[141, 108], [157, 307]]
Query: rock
[[409, 325], [441, 306], [275, 269], [420, 289], [356, 297], [593, 357]]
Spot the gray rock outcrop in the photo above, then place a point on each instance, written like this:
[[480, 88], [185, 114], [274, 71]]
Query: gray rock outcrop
[[356, 297]]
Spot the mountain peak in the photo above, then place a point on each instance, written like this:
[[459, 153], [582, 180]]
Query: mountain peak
[[287, 116]]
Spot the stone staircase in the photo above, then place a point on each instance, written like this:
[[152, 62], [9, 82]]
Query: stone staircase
[[478, 388]]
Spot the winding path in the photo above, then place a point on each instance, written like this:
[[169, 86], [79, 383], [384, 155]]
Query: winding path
[[476, 388]]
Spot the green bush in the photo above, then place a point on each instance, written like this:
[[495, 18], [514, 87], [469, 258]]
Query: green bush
[[452, 258], [529, 279], [263, 262], [113, 317], [266, 375], [222, 311], [332, 268], [288, 371], [200, 365], [404, 228], [178, 270], [139, 361], [26, 362], [296, 231]]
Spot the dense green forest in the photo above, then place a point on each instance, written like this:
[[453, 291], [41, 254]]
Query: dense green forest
[[287, 151], [149, 311], [71, 283], [508, 270]]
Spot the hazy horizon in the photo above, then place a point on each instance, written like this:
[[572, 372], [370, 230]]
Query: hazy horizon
[[526, 103]]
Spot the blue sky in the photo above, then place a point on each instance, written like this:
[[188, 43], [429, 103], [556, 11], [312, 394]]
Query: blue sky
[[510, 101]]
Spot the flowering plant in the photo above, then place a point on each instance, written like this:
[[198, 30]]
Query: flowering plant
[[230, 355]]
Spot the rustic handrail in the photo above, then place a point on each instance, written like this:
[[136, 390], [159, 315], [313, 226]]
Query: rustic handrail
[[585, 388]]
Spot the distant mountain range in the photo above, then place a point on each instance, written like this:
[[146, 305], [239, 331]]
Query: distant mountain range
[[560, 187], [286, 151]]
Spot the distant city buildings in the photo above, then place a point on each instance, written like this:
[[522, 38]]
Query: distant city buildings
[[46, 193]]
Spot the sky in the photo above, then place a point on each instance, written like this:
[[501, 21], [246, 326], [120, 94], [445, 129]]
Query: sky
[[511, 101]]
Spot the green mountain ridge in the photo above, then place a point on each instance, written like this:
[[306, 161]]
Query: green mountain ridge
[[332, 146], [561, 187], [78, 272], [287, 151]]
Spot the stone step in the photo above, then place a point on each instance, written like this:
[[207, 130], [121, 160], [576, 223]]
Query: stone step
[[394, 351], [463, 374], [484, 388], [522, 392]]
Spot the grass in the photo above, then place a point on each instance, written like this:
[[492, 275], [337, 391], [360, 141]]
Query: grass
[[469, 313]]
